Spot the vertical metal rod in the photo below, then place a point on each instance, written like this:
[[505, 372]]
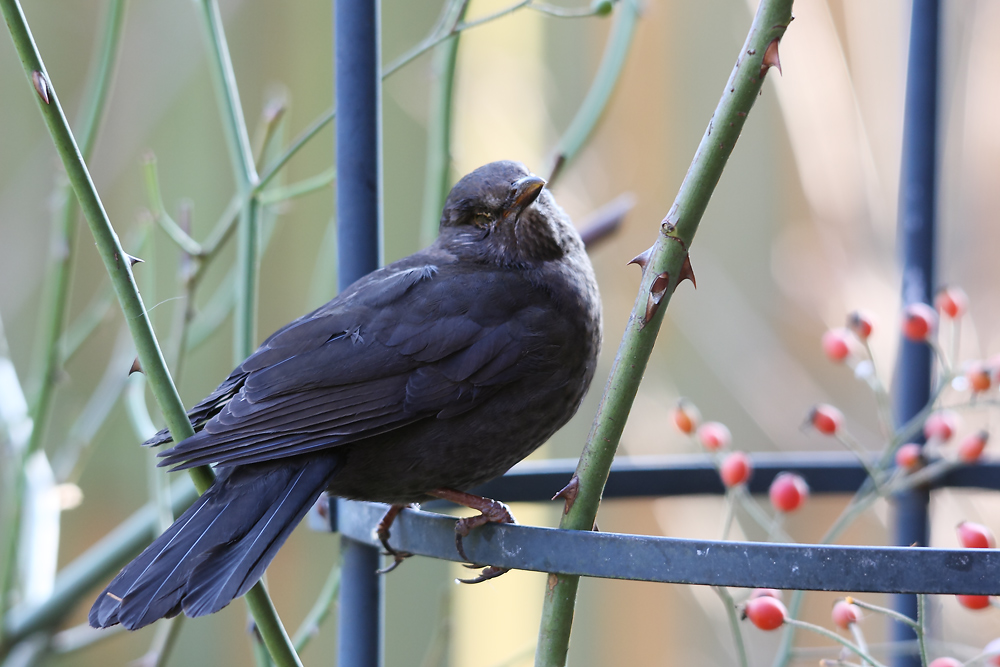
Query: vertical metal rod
[[359, 138], [357, 50], [916, 238]]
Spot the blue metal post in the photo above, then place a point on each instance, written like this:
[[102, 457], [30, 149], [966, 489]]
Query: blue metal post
[[917, 213], [358, 103]]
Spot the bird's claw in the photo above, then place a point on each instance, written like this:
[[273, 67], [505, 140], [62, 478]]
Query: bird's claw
[[397, 558], [488, 573], [382, 531]]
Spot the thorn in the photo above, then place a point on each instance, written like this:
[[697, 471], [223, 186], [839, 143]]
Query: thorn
[[569, 493], [132, 261], [113, 596], [642, 259], [687, 273], [656, 292], [41, 86], [770, 58], [136, 367]]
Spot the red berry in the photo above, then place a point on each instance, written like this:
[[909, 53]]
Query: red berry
[[952, 301], [714, 436], [837, 344], [735, 469], [765, 592], [909, 456], [944, 662], [826, 419], [941, 426], [974, 601], [919, 320], [861, 324], [686, 416], [975, 536], [844, 613], [765, 612], [993, 648], [978, 377], [972, 446], [788, 491]]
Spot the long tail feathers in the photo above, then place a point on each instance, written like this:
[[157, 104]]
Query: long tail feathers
[[218, 549]]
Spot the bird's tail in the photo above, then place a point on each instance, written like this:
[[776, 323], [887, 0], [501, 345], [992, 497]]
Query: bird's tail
[[218, 549]]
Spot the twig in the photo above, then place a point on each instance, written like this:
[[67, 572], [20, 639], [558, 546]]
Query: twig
[[241, 155], [661, 274], [57, 292], [320, 609], [437, 178], [734, 623], [597, 98]]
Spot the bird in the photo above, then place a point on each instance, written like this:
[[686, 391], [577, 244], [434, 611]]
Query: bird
[[423, 379]]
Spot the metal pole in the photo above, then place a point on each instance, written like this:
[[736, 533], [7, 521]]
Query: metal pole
[[916, 236], [358, 104]]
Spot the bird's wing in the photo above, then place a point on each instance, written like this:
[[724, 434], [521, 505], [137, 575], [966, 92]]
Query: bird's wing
[[405, 346]]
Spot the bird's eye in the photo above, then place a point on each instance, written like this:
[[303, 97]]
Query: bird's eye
[[481, 220]]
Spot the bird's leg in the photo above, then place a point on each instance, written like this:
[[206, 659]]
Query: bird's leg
[[382, 530], [491, 511]]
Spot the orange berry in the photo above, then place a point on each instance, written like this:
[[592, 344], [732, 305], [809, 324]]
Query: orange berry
[[788, 491], [686, 416], [975, 536], [735, 469], [844, 613], [909, 457], [973, 601], [972, 446], [952, 302], [826, 419], [919, 321], [861, 324], [941, 425], [979, 378], [714, 436], [837, 344], [765, 612], [944, 662]]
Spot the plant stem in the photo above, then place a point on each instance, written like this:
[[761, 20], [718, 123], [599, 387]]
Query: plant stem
[[437, 179], [320, 610], [820, 630], [664, 268], [734, 623], [247, 258], [603, 85], [56, 299]]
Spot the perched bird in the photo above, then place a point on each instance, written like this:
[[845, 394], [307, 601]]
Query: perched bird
[[422, 379]]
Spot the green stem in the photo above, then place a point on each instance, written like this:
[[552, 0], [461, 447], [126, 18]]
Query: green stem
[[593, 105], [663, 267], [734, 623], [820, 630], [885, 611], [241, 156], [437, 179], [320, 610], [921, 628], [56, 299], [306, 186]]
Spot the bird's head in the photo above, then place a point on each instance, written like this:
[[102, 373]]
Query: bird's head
[[502, 212]]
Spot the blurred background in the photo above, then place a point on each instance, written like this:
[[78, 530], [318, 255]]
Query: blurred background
[[800, 232]]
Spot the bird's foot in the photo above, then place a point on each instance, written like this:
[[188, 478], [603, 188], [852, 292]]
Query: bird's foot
[[490, 511], [382, 531]]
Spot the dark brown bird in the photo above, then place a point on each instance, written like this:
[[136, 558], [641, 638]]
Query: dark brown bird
[[425, 378]]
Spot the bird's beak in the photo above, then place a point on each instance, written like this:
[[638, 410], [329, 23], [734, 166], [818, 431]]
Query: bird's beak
[[523, 193]]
